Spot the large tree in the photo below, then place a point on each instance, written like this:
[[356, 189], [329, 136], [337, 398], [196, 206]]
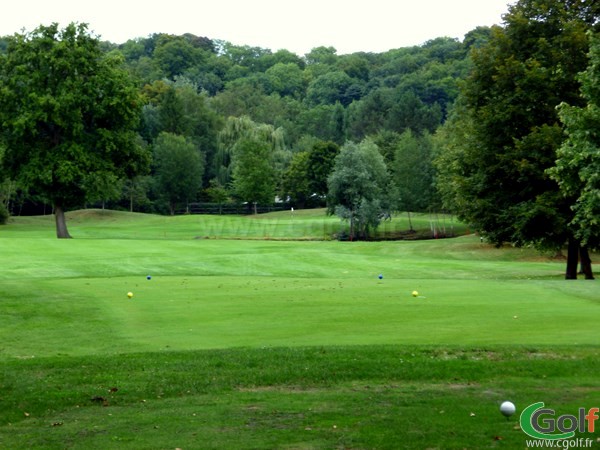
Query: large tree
[[412, 172], [238, 129], [253, 171], [360, 188], [320, 164], [295, 184], [179, 167], [509, 128], [68, 112], [577, 168], [286, 79], [175, 54], [178, 108]]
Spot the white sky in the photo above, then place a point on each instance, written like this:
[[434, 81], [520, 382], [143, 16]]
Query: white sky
[[348, 25]]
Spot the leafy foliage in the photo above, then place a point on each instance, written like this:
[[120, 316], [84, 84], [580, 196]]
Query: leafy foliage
[[197, 87], [253, 173], [577, 168], [68, 113], [360, 188], [179, 168], [236, 130], [413, 172], [507, 133], [296, 184], [320, 164]]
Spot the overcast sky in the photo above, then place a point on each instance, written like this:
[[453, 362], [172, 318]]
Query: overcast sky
[[348, 25]]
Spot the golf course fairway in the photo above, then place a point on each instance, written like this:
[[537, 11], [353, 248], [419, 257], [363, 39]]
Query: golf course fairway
[[290, 340]]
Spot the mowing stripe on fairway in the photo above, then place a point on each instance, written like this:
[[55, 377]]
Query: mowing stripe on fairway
[[91, 315]]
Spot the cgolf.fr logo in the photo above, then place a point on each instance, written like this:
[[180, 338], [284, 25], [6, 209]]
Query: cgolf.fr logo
[[541, 423]]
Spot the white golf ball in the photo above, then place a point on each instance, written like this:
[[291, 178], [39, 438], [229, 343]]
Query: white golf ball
[[507, 408]]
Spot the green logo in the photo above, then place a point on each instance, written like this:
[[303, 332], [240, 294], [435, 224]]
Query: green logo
[[540, 423]]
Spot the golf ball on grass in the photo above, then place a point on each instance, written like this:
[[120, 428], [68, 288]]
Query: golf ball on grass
[[415, 293], [148, 277], [507, 409], [380, 276], [129, 294]]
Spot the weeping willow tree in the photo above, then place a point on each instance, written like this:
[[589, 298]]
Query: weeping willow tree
[[242, 128]]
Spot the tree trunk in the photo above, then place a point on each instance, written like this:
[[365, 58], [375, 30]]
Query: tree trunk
[[410, 222], [61, 222], [586, 263], [572, 259]]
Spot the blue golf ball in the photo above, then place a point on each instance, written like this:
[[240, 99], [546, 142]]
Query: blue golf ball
[[380, 276], [148, 277]]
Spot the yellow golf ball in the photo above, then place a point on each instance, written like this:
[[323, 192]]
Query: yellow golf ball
[[415, 293], [130, 294]]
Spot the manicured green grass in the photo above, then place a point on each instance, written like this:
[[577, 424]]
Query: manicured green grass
[[262, 343], [94, 315], [299, 225]]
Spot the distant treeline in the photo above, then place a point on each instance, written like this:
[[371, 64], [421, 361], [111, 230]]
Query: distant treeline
[[195, 88]]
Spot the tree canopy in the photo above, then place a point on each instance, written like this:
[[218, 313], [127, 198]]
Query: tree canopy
[[179, 167], [68, 113], [412, 172], [360, 188], [577, 169], [197, 87], [253, 174], [506, 132]]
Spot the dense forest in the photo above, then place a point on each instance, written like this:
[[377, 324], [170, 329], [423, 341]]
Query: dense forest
[[200, 95]]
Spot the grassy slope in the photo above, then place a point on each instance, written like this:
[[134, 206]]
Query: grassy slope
[[292, 320], [301, 224]]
